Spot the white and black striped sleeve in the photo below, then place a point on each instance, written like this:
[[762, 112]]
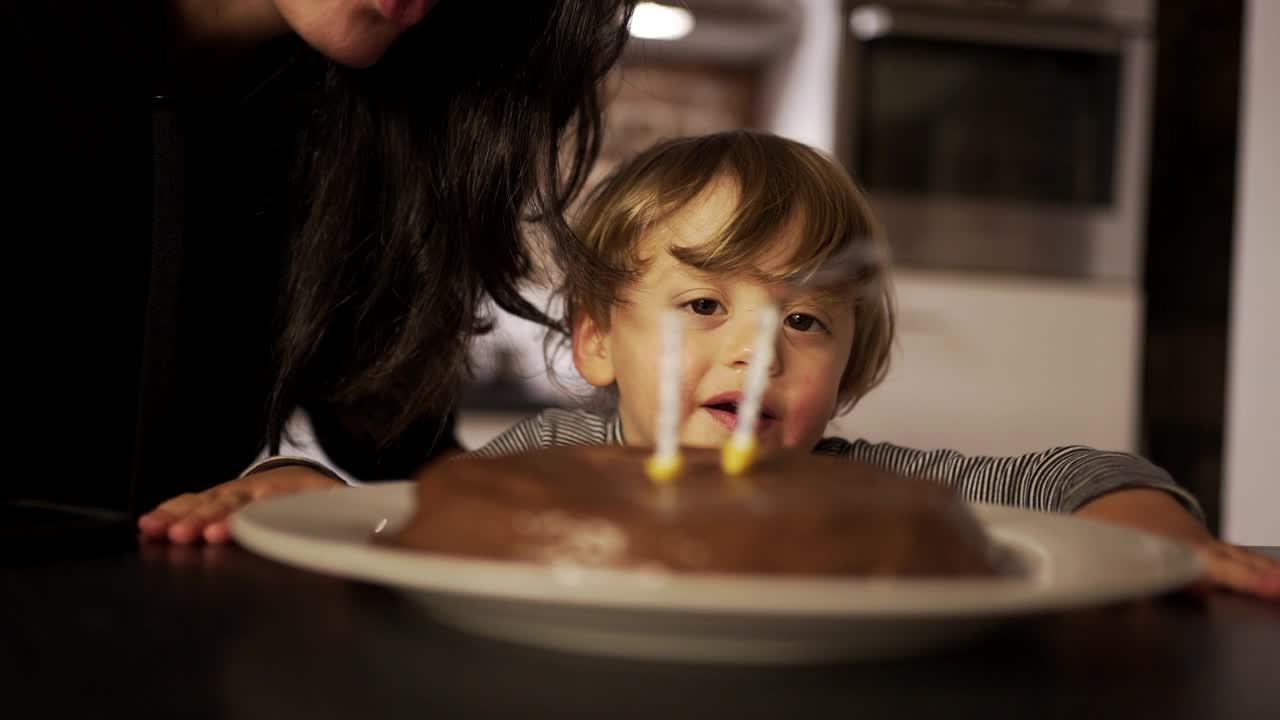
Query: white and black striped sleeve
[[550, 428], [524, 435], [1057, 480]]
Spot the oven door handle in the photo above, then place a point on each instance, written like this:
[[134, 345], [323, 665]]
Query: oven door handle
[[870, 21]]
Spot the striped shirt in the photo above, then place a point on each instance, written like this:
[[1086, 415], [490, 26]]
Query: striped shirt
[[1058, 480]]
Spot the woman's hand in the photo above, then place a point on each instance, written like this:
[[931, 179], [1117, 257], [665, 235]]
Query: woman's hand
[[1226, 565], [193, 517]]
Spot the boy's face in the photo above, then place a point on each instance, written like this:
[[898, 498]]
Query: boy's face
[[721, 316]]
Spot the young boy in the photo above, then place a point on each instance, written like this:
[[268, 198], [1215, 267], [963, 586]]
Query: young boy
[[720, 228]]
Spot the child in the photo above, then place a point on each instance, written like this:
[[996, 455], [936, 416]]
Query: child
[[721, 227]]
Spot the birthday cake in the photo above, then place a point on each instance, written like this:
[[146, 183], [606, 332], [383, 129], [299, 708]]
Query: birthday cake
[[791, 513]]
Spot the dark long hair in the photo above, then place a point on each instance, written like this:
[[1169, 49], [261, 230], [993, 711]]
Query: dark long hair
[[419, 175]]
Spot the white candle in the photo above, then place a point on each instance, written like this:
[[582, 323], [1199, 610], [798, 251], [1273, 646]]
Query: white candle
[[665, 462], [737, 453]]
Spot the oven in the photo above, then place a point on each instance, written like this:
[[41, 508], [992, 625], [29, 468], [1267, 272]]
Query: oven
[[1006, 136]]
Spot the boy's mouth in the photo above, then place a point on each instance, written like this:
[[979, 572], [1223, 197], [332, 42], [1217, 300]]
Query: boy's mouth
[[724, 410]]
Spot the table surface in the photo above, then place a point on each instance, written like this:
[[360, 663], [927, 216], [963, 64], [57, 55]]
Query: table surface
[[218, 632]]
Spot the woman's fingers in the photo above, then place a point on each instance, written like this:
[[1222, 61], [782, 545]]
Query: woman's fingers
[[195, 517], [184, 519], [217, 533], [215, 506], [224, 500], [156, 523]]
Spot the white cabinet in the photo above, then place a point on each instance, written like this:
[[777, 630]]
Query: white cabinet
[[999, 365]]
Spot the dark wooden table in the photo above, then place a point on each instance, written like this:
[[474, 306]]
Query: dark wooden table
[[217, 632]]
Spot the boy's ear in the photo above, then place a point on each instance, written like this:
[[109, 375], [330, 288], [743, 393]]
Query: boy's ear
[[592, 352]]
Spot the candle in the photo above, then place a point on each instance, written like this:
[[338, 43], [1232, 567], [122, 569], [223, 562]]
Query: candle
[[737, 454], [664, 464]]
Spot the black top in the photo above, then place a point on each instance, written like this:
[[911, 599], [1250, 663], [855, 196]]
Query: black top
[[150, 227]]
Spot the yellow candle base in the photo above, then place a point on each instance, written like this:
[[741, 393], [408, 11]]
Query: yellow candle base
[[735, 457], [662, 468]]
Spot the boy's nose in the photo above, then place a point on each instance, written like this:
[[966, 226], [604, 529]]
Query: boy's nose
[[740, 348]]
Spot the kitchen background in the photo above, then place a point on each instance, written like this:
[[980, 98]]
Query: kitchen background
[[1080, 257]]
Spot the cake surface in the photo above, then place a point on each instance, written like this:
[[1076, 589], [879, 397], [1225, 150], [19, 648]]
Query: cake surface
[[792, 513]]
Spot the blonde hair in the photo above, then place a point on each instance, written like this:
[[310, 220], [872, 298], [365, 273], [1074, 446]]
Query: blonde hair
[[779, 182]]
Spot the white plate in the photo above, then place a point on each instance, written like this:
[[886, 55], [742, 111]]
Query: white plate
[[1066, 563]]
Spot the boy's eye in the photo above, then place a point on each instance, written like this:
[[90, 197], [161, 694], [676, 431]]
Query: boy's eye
[[801, 322], [704, 306]]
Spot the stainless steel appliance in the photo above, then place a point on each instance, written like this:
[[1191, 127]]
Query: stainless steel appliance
[[1002, 135]]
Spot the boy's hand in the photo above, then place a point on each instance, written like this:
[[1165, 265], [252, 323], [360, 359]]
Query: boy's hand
[[1227, 566], [193, 517], [1236, 568]]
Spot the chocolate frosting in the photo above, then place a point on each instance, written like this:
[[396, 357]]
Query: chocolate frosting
[[792, 513]]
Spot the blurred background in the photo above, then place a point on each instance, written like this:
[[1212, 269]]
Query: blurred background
[[1080, 199]]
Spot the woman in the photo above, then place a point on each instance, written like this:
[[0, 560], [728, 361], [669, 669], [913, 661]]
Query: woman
[[298, 200]]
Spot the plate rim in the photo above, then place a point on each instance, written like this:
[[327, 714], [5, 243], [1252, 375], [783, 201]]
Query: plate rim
[[255, 529]]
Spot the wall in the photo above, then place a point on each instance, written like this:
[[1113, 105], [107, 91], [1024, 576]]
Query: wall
[[1003, 365], [800, 91], [1251, 498]]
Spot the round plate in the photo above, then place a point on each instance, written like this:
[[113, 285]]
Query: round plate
[[1061, 563]]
